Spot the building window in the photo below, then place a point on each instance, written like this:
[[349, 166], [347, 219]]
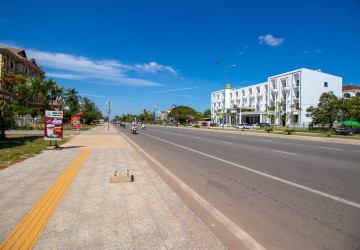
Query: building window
[[326, 84], [32, 73], [12, 65]]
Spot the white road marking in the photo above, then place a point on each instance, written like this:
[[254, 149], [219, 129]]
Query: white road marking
[[266, 140], [226, 142], [198, 137], [331, 148], [283, 152], [231, 136], [335, 198]]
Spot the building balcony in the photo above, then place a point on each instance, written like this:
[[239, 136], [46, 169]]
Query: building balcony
[[286, 88]]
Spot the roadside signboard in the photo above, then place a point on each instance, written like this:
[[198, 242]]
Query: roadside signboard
[[75, 123], [53, 125]]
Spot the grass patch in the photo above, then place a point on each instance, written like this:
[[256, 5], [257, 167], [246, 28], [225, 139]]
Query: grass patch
[[66, 126], [16, 148]]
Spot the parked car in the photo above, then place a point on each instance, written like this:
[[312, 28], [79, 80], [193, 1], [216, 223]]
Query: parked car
[[343, 131], [242, 125], [264, 124], [253, 126]]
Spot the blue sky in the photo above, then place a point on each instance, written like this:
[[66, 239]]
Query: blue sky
[[139, 53]]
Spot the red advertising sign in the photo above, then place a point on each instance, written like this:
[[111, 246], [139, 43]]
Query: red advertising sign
[[75, 123], [53, 125]]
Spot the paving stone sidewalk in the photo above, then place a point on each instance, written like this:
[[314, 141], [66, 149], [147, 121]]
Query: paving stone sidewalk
[[97, 214]]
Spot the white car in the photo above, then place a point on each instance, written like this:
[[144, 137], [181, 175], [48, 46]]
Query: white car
[[252, 126], [242, 125]]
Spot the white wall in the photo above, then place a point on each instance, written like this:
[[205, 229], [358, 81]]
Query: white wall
[[312, 87]]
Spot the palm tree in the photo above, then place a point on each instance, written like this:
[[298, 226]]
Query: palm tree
[[42, 89], [280, 110], [57, 94], [236, 113], [72, 99]]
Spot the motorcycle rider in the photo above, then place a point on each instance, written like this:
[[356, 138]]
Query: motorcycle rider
[[133, 127], [142, 125]]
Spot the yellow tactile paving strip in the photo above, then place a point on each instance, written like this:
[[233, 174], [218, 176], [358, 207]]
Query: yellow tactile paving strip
[[26, 233]]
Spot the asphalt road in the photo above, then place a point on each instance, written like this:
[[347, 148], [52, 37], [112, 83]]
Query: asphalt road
[[284, 193]]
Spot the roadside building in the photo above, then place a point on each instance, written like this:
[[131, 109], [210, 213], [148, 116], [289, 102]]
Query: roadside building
[[350, 91], [14, 60], [282, 100]]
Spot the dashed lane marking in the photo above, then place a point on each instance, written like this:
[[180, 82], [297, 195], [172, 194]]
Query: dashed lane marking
[[283, 152], [331, 148]]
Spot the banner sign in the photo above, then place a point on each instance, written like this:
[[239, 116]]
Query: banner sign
[[75, 123], [53, 125]]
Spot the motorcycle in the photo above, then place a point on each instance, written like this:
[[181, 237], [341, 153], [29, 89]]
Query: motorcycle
[[143, 126], [134, 130]]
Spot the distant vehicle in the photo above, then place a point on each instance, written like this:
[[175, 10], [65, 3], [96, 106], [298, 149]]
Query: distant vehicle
[[252, 126], [343, 131], [264, 124], [242, 126]]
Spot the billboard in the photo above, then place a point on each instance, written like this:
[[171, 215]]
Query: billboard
[[75, 123], [53, 125]]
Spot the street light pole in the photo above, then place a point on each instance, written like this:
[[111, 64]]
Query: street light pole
[[108, 112], [225, 69]]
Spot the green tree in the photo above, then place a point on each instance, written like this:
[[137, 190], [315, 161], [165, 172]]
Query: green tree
[[42, 89], [207, 113], [72, 103], [9, 83], [90, 111], [271, 109], [350, 109], [146, 117], [354, 113], [57, 93], [327, 111], [281, 118], [183, 114]]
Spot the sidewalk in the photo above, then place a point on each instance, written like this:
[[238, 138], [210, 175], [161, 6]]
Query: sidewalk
[[94, 213]]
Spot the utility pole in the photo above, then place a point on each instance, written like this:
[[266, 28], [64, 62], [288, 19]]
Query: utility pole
[[108, 112]]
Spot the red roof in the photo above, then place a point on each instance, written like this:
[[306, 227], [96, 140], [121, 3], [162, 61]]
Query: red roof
[[350, 87]]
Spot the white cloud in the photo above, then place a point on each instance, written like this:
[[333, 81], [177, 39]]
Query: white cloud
[[270, 40], [154, 67], [108, 72], [174, 90], [243, 50]]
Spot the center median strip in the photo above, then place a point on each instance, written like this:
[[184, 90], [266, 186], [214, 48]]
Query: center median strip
[[26, 233]]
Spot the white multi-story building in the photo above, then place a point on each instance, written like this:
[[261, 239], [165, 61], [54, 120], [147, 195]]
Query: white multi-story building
[[282, 100]]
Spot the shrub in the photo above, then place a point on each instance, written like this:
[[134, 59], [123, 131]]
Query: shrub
[[289, 131], [269, 129]]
